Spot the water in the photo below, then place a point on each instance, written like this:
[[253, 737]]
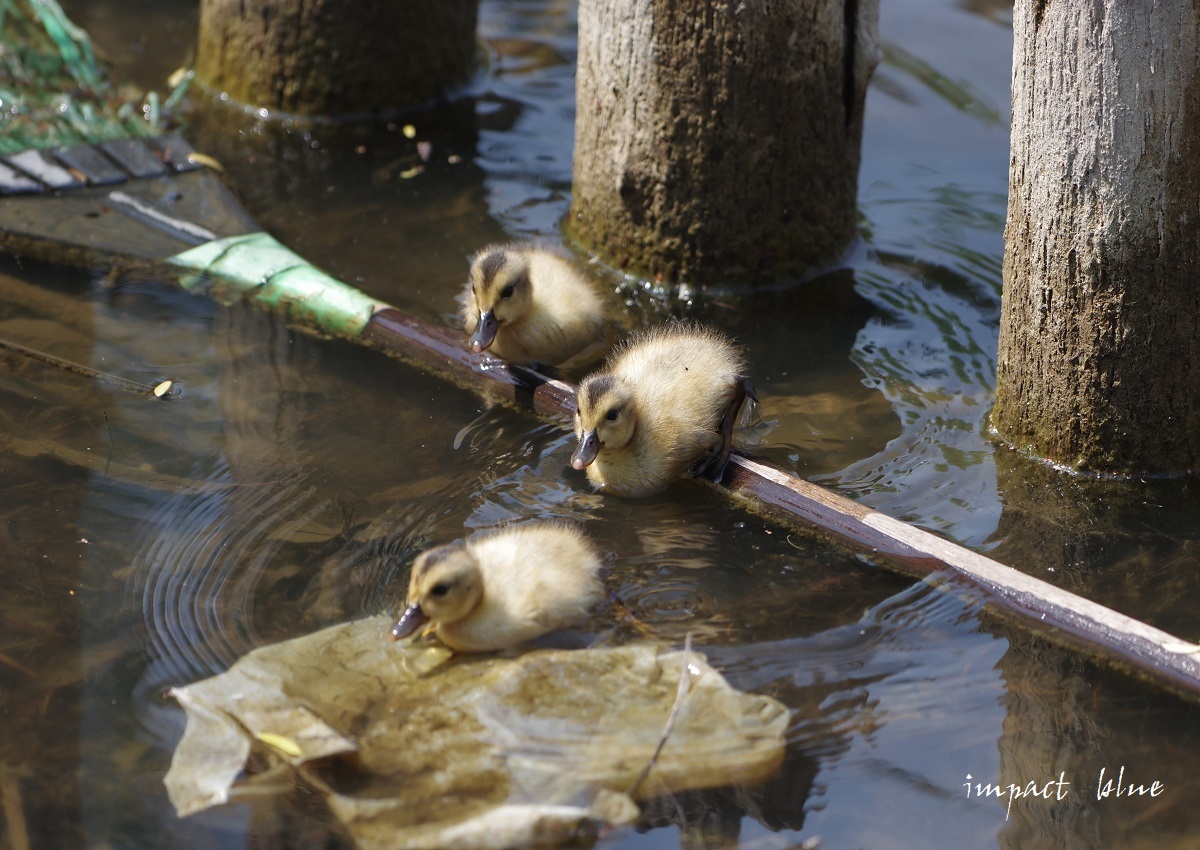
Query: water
[[150, 544]]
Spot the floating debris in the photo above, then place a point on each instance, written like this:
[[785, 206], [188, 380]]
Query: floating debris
[[538, 749], [282, 743], [207, 161]]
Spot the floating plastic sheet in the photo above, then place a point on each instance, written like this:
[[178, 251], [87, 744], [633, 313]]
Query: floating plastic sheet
[[414, 747], [259, 266]]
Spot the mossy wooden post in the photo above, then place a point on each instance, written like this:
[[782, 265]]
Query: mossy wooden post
[[720, 141], [1099, 358], [334, 56]]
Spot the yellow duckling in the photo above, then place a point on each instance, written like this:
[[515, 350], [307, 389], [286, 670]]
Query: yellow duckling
[[664, 404], [502, 588], [529, 305]]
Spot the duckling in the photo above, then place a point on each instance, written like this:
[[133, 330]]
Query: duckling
[[663, 405], [529, 305], [499, 589]]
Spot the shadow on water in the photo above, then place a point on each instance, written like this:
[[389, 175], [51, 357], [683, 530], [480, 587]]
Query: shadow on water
[[148, 544], [1132, 545]]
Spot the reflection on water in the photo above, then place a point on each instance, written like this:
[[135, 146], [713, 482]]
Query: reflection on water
[[932, 355], [526, 109], [867, 699], [147, 544]]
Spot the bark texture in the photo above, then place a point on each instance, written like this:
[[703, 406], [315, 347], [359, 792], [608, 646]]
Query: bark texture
[[334, 56], [720, 141], [1099, 358]]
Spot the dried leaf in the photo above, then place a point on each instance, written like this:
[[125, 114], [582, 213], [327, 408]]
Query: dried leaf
[[207, 161], [282, 743]]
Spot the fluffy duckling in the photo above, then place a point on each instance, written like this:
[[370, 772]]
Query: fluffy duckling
[[502, 588], [529, 305], [665, 400]]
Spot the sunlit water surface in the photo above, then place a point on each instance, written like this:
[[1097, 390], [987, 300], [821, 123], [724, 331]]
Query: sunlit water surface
[[151, 544]]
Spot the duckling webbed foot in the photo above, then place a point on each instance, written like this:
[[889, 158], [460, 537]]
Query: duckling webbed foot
[[714, 467], [628, 617], [749, 390]]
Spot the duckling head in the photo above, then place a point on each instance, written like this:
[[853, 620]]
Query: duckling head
[[445, 587], [604, 417], [499, 292]]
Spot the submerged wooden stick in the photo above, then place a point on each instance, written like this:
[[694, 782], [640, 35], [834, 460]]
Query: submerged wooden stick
[[79, 369], [681, 691], [14, 810], [444, 352], [1090, 627]]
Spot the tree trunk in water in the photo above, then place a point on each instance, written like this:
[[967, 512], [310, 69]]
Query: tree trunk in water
[[1099, 359], [720, 141], [334, 56]]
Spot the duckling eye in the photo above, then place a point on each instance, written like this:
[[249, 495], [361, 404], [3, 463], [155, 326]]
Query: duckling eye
[[439, 589], [507, 291], [612, 415]]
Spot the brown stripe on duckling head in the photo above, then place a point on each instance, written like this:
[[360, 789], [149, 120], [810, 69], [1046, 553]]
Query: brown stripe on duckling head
[[490, 264], [430, 557], [595, 388]]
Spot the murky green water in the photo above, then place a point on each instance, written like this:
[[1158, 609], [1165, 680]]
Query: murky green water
[[148, 544]]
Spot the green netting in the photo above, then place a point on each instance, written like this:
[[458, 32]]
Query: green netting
[[53, 89]]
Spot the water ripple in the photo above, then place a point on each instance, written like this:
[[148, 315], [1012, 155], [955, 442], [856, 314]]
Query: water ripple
[[891, 658], [195, 581]]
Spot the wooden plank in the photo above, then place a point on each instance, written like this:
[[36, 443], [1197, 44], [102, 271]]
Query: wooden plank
[[1084, 625], [1135, 643], [135, 156], [88, 161], [36, 165], [442, 351], [13, 182]]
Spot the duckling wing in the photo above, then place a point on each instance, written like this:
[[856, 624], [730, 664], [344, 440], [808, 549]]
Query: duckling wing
[[685, 381], [568, 314], [535, 580], [559, 570]]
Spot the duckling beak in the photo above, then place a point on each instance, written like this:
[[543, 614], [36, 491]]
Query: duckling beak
[[585, 453], [411, 620], [485, 331]]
